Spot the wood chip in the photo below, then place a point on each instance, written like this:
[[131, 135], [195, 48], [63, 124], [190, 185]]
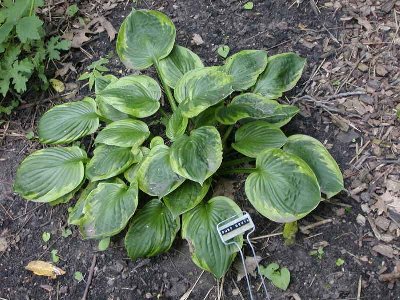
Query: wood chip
[[384, 250]]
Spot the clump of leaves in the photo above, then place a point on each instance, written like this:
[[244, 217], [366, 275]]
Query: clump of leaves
[[176, 169], [318, 253], [95, 70], [23, 50]]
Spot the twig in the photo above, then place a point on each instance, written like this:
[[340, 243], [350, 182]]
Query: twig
[[208, 293], [187, 294], [305, 229], [350, 73], [347, 94], [359, 289], [91, 271], [266, 236]]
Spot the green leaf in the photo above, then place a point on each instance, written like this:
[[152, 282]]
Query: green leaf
[[28, 28], [280, 277], [283, 187], [339, 262], [207, 117], [109, 161], [103, 81], [253, 106], [198, 156], [68, 122], [5, 30], [319, 159], [180, 61], [199, 228], [253, 138], [66, 232], [50, 173], [67, 197], [105, 110], [185, 197], [54, 257], [75, 215], [201, 88], [72, 10], [78, 276], [223, 51], [155, 175], [46, 236], [136, 95], [176, 125], [281, 75], [144, 37], [55, 45], [108, 209], [103, 244], [245, 66], [30, 135], [155, 141], [155, 224], [124, 133], [248, 5]]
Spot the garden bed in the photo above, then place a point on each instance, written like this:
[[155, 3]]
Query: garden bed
[[277, 27]]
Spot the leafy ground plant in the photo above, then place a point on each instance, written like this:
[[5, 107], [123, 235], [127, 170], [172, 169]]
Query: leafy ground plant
[[23, 50], [223, 112]]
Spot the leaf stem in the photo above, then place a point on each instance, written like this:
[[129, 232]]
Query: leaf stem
[[237, 171], [163, 113], [31, 8], [227, 134], [167, 89], [237, 161]]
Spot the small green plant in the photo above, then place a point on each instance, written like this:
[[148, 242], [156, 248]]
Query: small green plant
[[318, 253], [96, 70], [280, 277], [78, 276], [46, 236], [66, 232], [223, 51], [176, 168], [339, 262], [248, 5], [54, 257], [23, 51], [104, 243]]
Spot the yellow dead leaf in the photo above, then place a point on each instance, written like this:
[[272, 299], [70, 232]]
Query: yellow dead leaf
[[57, 85], [43, 268]]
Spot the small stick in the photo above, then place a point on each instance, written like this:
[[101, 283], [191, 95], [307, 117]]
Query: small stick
[[266, 236], [305, 229], [187, 294], [359, 289], [236, 286], [91, 271]]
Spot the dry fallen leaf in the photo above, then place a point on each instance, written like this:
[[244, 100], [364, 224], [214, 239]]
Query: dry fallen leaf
[[108, 27], [64, 70], [385, 250], [57, 85], [43, 268], [251, 266]]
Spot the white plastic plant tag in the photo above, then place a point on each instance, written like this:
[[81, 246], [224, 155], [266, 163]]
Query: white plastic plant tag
[[234, 226]]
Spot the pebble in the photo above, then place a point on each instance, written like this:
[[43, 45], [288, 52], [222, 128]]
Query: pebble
[[361, 220]]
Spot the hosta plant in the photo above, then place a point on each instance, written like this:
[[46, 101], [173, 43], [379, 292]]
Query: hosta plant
[[220, 118]]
